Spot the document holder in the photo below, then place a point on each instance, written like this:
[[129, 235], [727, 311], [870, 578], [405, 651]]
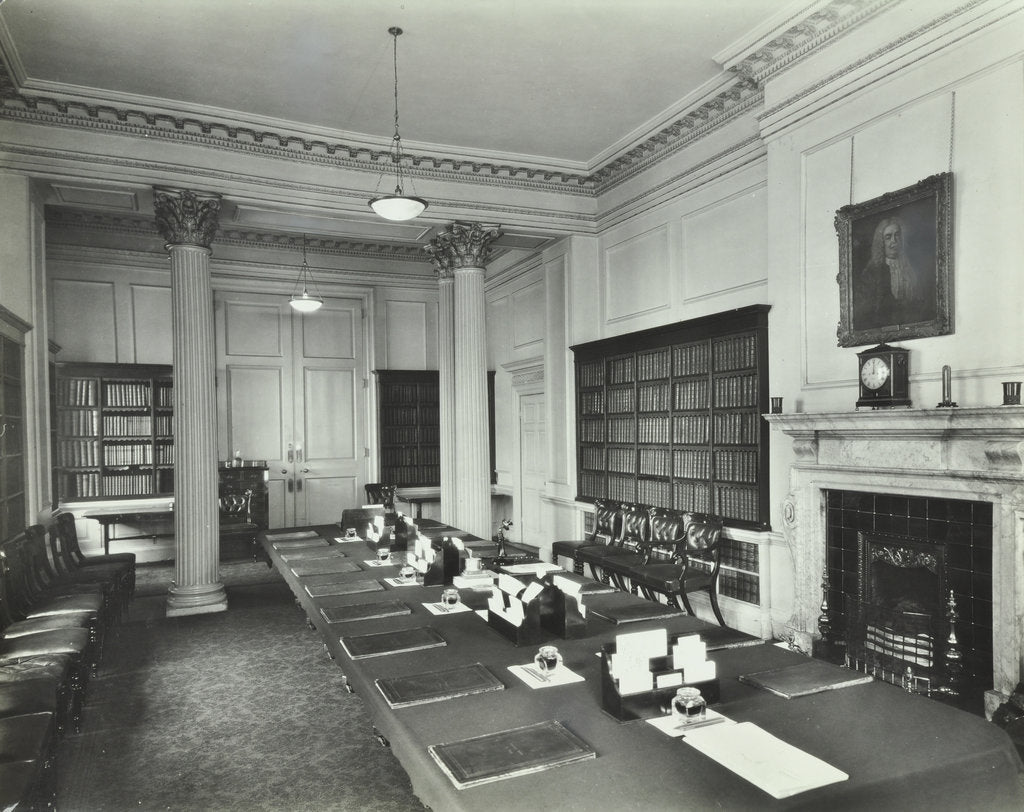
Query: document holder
[[529, 632], [445, 565], [647, 704], [560, 613]]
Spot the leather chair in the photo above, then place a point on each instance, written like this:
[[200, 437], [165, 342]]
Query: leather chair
[[606, 528], [694, 568], [634, 530], [65, 525], [27, 750], [377, 493], [113, 578], [667, 529]]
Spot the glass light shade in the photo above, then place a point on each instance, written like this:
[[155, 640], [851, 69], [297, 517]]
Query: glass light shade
[[398, 207], [305, 303]]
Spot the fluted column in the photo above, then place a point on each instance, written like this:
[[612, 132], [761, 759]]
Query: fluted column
[[464, 248], [446, 382], [188, 223]]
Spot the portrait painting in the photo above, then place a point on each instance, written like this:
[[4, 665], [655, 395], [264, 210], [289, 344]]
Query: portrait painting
[[895, 265]]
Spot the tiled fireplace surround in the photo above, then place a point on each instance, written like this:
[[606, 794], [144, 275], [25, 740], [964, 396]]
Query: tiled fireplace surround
[[974, 454]]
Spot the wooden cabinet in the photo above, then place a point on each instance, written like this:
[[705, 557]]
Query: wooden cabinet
[[115, 433], [13, 500], [671, 417]]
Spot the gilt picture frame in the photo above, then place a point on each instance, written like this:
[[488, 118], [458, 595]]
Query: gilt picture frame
[[896, 264]]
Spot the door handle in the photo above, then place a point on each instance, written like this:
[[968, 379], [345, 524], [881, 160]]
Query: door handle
[[291, 485], [298, 485], [284, 470], [291, 453], [298, 452], [305, 470]]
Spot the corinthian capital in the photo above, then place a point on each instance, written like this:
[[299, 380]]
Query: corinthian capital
[[461, 245], [186, 218]]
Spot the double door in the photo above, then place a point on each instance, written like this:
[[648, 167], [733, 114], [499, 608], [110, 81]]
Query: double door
[[290, 390]]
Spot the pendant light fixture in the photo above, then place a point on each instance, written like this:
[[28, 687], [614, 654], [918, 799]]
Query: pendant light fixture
[[397, 206], [305, 302]]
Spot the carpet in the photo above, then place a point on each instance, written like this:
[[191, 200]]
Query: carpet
[[239, 710]]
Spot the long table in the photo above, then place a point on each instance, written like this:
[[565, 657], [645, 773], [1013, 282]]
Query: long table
[[899, 749]]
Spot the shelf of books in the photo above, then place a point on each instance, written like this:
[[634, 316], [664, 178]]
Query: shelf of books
[[671, 417], [409, 421], [115, 431]]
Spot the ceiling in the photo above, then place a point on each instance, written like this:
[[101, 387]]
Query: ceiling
[[565, 83]]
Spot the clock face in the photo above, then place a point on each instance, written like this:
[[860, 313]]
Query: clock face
[[874, 373]]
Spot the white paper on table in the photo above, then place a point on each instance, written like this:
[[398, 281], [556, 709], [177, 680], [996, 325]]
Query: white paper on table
[[567, 585], [560, 676], [635, 680], [653, 643], [767, 762], [673, 679], [675, 727], [438, 609], [515, 614], [400, 582], [506, 583], [341, 540], [532, 591], [688, 649]]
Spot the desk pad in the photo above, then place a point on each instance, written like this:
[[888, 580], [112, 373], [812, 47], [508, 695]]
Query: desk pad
[[396, 642], [343, 588], [437, 686], [364, 611]]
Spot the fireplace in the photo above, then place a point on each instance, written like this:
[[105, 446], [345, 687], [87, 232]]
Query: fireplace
[[898, 485]]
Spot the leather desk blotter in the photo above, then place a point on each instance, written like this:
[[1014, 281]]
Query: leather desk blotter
[[802, 679], [629, 609], [312, 553], [396, 642], [364, 611], [324, 567], [436, 686], [343, 588], [508, 753], [295, 544]]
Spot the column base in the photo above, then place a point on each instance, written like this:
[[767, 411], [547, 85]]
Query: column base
[[201, 599]]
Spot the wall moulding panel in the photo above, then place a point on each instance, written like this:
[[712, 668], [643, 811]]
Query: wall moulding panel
[[634, 269]]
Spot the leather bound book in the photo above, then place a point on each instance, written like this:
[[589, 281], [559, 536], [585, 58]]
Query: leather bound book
[[299, 544], [324, 567], [380, 644], [435, 686], [364, 611], [312, 554], [622, 608], [344, 588], [509, 753], [802, 679]]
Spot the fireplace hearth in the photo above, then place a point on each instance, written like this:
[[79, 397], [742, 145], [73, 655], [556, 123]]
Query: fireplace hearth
[[943, 482]]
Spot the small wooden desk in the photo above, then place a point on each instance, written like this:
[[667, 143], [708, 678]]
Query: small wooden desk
[[140, 517]]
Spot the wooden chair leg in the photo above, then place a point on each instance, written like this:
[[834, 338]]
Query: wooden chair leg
[[713, 593], [686, 603]]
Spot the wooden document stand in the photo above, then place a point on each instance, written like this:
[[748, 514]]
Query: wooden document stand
[[560, 613], [445, 565], [646, 704], [528, 633]]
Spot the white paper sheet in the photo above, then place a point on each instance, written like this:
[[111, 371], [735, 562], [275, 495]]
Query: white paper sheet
[[764, 760]]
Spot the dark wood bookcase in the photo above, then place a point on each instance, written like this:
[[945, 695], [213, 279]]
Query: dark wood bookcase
[[671, 417], [115, 432], [410, 427]]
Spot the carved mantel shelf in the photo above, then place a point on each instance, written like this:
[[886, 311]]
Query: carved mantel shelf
[[970, 442]]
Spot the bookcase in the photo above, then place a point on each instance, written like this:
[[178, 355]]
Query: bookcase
[[115, 433], [671, 417], [410, 427]]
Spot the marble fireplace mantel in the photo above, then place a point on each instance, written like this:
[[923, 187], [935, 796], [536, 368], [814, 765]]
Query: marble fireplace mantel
[[952, 453]]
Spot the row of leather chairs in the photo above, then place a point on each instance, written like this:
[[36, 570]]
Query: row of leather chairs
[[654, 552], [57, 607]]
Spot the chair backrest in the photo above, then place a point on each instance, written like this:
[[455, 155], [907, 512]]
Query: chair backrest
[[607, 520], [39, 570], [635, 529], [377, 493], [668, 529], [60, 552], [64, 526], [7, 611], [702, 543]]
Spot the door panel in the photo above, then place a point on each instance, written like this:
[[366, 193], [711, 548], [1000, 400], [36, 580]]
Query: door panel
[[292, 394], [533, 456]]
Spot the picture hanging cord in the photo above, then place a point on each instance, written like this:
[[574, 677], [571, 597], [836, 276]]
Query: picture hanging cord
[[952, 127], [853, 142]]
